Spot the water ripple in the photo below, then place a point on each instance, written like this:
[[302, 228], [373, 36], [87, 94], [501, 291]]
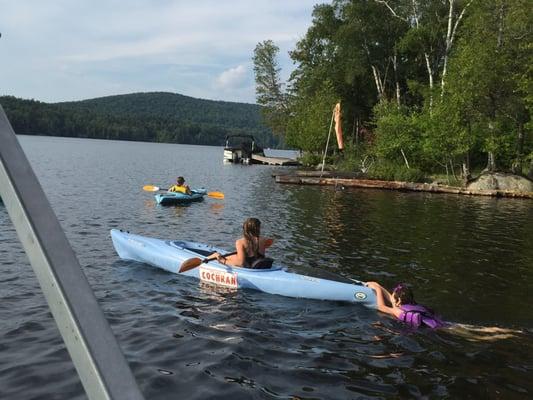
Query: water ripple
[[468, 257]]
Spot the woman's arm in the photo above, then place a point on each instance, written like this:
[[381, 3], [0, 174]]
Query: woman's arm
[[236, 260]]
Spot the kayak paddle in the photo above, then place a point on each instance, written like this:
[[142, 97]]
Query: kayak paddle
[[150, 188], [192, 263]]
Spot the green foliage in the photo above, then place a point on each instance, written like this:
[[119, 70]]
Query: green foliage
[[434, 98], [266, 70], [409, 174], [308, 128], [397, 129], [310, 159], [349, 161], [160, 117], [390, 171], [485, 102], [269, 88]]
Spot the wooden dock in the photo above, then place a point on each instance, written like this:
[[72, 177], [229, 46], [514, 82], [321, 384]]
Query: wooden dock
[[257, 159], [313, 179]]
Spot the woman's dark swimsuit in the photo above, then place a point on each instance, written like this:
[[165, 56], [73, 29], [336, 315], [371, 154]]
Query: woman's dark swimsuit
[[251, 259], [259, 261]]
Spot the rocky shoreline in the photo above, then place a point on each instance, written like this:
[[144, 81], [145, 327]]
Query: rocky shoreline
[[355, 180]]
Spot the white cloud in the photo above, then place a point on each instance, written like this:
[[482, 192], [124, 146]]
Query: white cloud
[[232, 78], [63, 50]]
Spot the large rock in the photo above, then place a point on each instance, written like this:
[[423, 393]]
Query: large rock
[[501, 181]]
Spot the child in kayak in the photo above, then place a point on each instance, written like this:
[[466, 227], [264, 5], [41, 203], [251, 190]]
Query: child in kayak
[[401, 305], [180, 186], [250, 249]]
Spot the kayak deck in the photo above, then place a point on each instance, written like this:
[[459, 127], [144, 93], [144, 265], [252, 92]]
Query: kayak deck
[[169, 255], [180, 198]]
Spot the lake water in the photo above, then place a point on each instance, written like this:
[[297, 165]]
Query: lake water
[[471, 258]]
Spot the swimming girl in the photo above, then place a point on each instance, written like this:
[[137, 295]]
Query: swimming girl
[[401, 305]]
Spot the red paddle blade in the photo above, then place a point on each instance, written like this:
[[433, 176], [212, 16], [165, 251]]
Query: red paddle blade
[[269, 242], [190, 264]]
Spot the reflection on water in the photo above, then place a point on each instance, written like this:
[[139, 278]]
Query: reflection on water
[[216, 208], [470, 258]]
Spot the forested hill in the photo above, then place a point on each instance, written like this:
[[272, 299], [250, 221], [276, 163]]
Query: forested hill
[[154, 117]]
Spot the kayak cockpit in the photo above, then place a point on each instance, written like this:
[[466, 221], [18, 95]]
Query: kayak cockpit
[[203, 250]]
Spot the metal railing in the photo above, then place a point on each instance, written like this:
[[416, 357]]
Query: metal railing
[[101, 366]]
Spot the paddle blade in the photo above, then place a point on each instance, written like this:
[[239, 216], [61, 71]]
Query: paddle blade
[[150, 188], [269, 242], [216, 195], [190, 264]]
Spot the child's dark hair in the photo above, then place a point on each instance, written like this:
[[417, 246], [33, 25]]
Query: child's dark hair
[[180, 180], [404, 294]]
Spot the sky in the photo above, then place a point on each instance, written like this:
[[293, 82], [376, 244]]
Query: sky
[[64, 50]]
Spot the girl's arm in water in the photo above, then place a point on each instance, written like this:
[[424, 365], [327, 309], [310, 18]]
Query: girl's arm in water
[[384, 299]]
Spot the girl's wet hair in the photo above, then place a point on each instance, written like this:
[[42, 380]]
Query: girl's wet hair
[[404, 294], [251, 228]]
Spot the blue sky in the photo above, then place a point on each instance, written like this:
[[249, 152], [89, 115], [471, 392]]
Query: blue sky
[[61, 50]]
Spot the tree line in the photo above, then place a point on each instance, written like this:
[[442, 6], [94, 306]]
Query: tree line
[[154, 117], [434, 86]]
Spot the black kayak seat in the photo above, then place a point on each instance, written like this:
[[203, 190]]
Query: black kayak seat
[[262, 263]]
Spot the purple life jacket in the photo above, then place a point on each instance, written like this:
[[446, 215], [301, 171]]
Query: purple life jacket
[[415, 315]]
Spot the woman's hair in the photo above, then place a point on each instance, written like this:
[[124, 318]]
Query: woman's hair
[[251, 228], [404, 294], [180, 180]]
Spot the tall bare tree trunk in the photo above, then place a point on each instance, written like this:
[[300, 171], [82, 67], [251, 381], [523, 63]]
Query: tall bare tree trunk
[[405, 159], [491, 158], [491, 162], [450, 36], [395, 67], [466, 169], [519, 158], [452, 169], [426, 57], [357, 134], [415, 17], [379, 83]]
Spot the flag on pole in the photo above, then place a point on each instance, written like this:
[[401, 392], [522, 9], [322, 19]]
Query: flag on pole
[[338, 126]]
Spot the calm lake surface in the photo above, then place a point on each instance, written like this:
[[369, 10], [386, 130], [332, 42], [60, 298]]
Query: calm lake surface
[[471, 258]]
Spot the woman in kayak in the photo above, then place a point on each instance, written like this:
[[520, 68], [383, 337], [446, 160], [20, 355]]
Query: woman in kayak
[[401, 305], [250, 249], [180, 186]]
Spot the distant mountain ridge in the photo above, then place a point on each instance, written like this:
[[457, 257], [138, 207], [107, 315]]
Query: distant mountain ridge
[[152, 116]]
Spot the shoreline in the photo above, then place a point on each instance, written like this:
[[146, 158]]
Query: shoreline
[[330, 179]]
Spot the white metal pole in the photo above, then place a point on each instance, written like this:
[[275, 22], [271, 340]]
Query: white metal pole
[[327, 143], [95, 352]]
